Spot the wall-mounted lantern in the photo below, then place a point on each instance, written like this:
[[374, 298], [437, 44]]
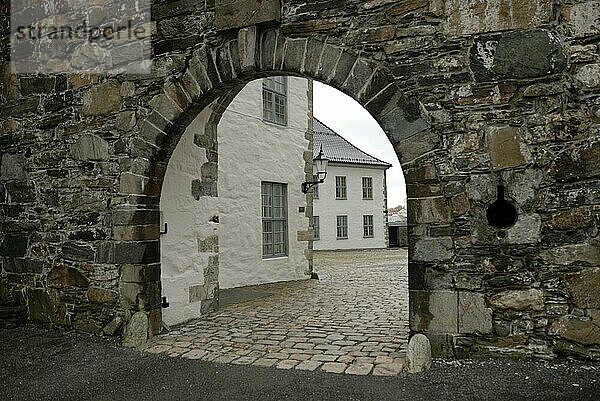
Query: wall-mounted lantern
[[320, 163]]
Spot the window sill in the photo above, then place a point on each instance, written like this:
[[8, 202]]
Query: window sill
[[341, 198], [341, 238], [275, 123], [275, 257], [372, 236]]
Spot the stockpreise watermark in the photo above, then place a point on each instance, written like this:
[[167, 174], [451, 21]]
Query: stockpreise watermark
[[51, 37]]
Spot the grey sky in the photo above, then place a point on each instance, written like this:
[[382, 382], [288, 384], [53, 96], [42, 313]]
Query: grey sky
[[349, 119]]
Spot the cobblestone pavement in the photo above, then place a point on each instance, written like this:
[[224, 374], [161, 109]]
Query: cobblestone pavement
[[353, 320]]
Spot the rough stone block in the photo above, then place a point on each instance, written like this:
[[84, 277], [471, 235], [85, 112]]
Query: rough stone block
[[99, 295], [199, 72], [420, 174], [313, 56], [573, 254], [416, 145], [418, 354], [532, 299], [136, 233], [433, 249], [211, 271], [223, 63], [582, 18], [90, 148], [504, 147], [14, 245], [247, 41], [294, 54], [166, 107], [428, 210], [140, 273], [460, 204], [209, 244], [572, 219], [230, 14], [65, 276], [434, 311], [136, 252], [12, 167], [136, 334], [102, 99], [581, 164], [585, 288], [328, 61], [22, 265], [473, 315], [128, 217], [177, 94], [210, 172], [578, 330], [78, 252], [201, 189], [196, 293], [358, 78], [36, 85], [493, 15], [114, 327], [342, 68], [517, 55], [589, 75], [527, 230], [42, 309], [132, 183]]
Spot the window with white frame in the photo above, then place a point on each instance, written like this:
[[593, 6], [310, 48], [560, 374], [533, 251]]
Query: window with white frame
[[341, 191], [274, 219], [316, 227], [368, 226], [342, 227], [274, 92], [367, 187]]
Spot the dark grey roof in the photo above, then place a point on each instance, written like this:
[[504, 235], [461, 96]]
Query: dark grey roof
[[339, 150]]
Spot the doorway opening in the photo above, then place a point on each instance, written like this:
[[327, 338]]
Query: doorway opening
[[242, 241]]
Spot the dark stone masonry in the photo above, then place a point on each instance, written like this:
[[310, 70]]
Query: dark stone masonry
[[473, 96]]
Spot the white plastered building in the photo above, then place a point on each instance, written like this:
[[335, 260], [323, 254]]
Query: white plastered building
[[262, 141], [350, 207]]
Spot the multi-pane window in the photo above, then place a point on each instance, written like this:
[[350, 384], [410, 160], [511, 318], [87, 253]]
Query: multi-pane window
[[275, 100], [316, 227], [367, 187], [342, 227], [340, 187], [274, 219], [368, 226]]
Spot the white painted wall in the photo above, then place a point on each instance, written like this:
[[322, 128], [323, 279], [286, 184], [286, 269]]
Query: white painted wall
[[251, 151], [182, 265], [327, 207]]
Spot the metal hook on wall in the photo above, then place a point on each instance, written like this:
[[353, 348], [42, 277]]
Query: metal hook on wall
[[165, 231]]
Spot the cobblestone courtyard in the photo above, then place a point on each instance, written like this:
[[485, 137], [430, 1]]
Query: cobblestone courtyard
[[353, 320]]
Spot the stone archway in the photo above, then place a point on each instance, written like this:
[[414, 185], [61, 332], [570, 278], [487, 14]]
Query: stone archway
[[83, 159], [367, 81]]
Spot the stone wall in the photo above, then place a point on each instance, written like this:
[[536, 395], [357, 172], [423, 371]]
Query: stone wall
[[472, 95]]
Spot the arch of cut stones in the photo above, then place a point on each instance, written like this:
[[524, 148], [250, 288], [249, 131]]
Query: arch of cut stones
[[471, 98]]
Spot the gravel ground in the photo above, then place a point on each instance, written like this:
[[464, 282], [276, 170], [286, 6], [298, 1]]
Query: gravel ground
[[41, 365]]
